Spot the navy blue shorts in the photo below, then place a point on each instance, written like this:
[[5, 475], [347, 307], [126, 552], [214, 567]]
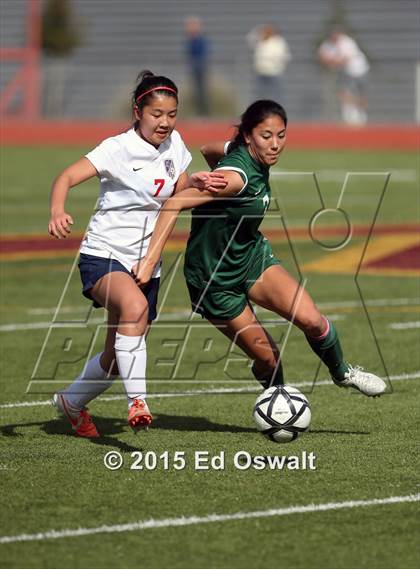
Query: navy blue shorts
[[93, 268]]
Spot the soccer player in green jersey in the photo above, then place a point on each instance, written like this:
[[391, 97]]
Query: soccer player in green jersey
[[229, 264]]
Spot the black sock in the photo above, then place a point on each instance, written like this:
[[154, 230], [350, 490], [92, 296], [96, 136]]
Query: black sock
[[328, 348], [269, 379]]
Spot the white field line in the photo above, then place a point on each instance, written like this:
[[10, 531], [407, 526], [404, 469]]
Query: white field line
[[211, 518], [168, 318], [404, 325], [107, 398], [14, 327], [45, 325], [64, 310], [337, 175], [216, 391], [84, 309], [372, 302], [340, 304], [80, 324]]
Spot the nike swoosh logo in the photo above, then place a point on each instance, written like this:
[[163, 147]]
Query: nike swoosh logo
[[137, 169]]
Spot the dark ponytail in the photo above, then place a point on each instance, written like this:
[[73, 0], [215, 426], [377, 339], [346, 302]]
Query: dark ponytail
[[149, 85], [254, 114]]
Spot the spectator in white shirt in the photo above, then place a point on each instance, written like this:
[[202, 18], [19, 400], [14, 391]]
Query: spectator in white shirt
[[339, 52], [270, 59]]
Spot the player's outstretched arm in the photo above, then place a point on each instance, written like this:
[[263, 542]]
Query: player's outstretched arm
[[60, 221], [187, 199]]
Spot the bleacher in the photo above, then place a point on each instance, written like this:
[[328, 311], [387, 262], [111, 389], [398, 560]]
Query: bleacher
[[122, 37]]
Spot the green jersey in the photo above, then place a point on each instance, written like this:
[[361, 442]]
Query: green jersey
[[224, 238]]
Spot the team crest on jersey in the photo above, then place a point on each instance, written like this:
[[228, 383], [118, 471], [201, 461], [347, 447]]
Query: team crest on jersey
[[170, 168]]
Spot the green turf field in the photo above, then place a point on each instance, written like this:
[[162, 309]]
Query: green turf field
[[365, 449]]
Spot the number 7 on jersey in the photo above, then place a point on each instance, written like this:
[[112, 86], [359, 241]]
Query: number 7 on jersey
[[159, 183]]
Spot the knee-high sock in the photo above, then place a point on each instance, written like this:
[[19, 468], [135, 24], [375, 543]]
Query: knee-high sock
[[131, 355], [91, 382], [269, 379], [328, 348]]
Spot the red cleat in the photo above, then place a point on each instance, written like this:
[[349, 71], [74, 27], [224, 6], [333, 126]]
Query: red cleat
[[80, 420], [139, 416]]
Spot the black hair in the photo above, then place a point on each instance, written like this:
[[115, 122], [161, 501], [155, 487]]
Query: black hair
[[253, 115], [146, 81]]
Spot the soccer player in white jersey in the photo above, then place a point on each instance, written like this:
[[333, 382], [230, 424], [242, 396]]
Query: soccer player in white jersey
[[138, 171]]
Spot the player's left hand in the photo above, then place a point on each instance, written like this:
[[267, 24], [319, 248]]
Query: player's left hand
[[210, 181], [142, 271]]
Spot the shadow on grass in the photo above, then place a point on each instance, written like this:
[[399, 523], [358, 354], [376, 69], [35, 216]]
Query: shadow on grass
[[332, 432], [61, 427], [195, 424], [112, 426]]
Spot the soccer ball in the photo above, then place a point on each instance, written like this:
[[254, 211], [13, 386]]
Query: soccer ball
[[281, 413]]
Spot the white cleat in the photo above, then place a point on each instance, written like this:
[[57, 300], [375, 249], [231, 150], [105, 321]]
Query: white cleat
[[365, 382]]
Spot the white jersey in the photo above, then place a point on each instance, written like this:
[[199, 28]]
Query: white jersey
[[135, 181], [271, 56], [356, 63]]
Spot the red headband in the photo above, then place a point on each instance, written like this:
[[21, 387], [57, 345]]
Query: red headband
[[156, 89]]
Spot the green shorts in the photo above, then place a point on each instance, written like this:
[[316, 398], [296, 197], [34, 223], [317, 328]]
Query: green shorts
[[226, 304]]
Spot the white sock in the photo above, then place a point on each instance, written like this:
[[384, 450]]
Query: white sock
[[91, 382], [362, 116], [131, 357], [350, 113]]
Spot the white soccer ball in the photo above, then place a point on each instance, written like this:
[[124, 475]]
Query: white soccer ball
[[281, 413]]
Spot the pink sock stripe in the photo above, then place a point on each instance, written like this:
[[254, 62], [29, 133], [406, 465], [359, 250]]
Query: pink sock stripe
[[324, 334]]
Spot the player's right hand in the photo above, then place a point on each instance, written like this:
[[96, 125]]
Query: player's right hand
[[60, 225], [142, 271]]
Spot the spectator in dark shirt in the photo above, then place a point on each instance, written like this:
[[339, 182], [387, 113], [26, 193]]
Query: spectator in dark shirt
[[197, 48]]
